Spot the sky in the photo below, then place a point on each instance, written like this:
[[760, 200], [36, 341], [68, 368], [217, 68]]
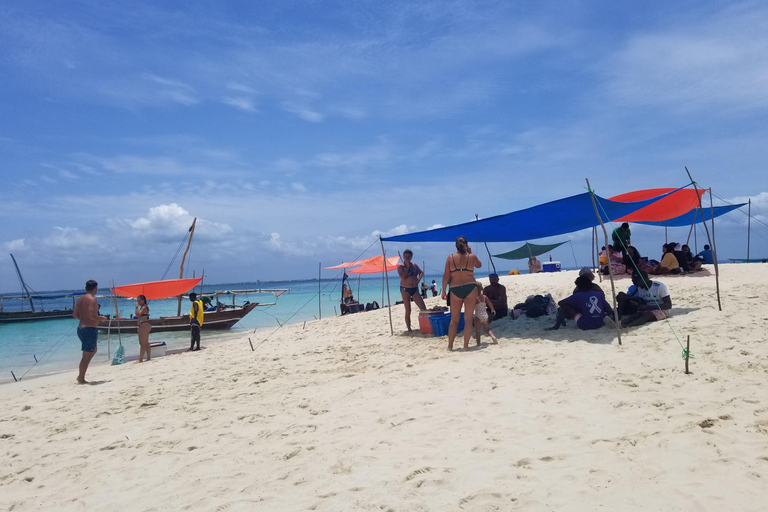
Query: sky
[[297, 132]]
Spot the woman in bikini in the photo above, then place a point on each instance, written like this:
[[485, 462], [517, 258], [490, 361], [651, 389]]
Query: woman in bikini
[[142, 315], [459, 274], [410, 275]]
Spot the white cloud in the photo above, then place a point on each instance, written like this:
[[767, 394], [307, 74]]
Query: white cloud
[[303, 112], [14, 245], [720, 61], [70, 238], [298, 187], [241, 103]]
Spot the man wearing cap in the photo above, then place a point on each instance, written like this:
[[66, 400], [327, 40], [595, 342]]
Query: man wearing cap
[[497, 293], [195, 320], [587, 272]]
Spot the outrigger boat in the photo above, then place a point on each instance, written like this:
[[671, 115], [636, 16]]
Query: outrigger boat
[[221, 316], [30, 314]]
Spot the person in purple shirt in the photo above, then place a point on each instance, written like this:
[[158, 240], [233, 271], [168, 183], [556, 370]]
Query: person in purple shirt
[[587, 306]]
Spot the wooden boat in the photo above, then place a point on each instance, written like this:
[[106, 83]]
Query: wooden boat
[[223, 319], [222, 316], [32, 314]]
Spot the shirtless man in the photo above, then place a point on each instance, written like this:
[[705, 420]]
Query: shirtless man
[[410, 275], [87, 311], [497, 293]]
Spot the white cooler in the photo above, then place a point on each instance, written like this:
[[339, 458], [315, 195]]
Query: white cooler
[[157, 349]]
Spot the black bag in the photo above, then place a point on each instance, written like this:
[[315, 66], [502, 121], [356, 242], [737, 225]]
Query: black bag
[[537, 306]]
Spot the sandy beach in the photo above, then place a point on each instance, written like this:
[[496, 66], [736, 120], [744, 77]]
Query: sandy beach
[[338, 414]]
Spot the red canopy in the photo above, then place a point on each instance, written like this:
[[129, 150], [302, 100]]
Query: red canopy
[[157, 289], [669, 207], [374, 268]]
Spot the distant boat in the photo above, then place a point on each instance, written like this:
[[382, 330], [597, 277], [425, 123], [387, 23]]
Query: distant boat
[[32, 314]]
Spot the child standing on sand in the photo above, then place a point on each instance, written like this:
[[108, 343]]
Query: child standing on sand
[[481, 315]]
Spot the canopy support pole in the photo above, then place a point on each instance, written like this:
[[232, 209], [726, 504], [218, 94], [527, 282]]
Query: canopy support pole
[[711, 240], [320, 290], [693, 223], [610, 267], [749, 223], [490, 258], [386, 280]]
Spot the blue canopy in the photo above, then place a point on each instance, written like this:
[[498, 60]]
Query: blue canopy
[[687, 218], [549, 219]]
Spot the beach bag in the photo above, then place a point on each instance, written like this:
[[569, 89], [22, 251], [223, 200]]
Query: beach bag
[[537, 306]]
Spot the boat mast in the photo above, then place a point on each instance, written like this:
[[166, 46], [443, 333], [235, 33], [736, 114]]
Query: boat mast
[[23, 284], [181, 270]]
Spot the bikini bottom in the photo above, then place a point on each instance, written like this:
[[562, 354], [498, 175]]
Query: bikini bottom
[[463, 291], [410, 291]]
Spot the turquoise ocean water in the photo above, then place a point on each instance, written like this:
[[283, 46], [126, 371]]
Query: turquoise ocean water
[[55, 345]]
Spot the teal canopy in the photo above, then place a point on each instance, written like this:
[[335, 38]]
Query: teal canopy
[[527, 251]]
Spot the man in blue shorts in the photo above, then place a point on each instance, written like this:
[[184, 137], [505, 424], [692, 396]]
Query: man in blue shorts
[[87, 311]]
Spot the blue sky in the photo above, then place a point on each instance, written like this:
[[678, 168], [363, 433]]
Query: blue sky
[[297, 131]]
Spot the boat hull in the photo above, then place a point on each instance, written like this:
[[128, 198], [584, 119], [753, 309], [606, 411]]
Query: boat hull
[[28, 316], [219, 320]]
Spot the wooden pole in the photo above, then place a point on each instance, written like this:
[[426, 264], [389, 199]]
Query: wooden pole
[[249, 341], [14, 377], [687, 353], [386, 279], [320, 290], [711, 240], [202, 279], [23, 284], [666, 236], [610, 267], [181, 270], [693, 223], [490, 258]]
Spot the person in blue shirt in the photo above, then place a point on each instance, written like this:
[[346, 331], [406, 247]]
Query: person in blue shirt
[[586, 306], [705, 256]]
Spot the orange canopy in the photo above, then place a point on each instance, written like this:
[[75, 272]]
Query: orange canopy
[[669, 207], [373, 260], [157, 289], [377, 267]]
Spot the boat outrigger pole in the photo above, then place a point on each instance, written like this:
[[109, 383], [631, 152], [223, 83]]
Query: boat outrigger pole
[[23, 284], [181, 270]]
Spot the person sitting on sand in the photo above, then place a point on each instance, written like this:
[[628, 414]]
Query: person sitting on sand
[[346, 294], [586, 306], [615, 257], [459, 275], [633, 260], [410, 275], [656, 301], [693, 263], [534, 265], [677, 250], [669, 264], [587, 272], [481, 315], [705, 256], [497, 294]]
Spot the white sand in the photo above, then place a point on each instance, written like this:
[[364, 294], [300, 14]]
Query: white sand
[[342, 416]]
